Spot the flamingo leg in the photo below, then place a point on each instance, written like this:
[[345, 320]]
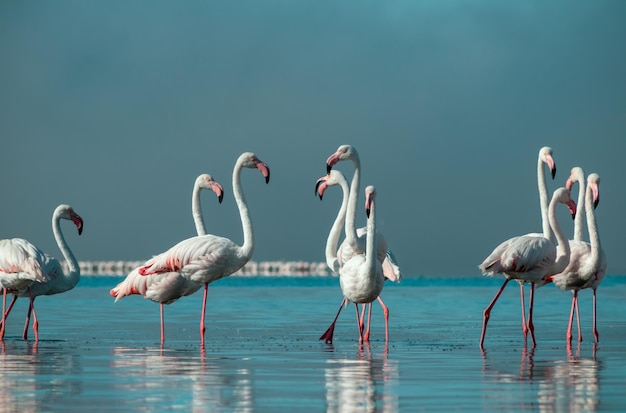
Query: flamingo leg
[[8, 311], [162, 324], [531, 326], [359, 324], [524, 325], [568, 335], [4, 303], [386, 314], [27, 322], [31, 309], [366, 337], [202, 327], [580, 334], [328, 334], [487, 312], [595, 328]]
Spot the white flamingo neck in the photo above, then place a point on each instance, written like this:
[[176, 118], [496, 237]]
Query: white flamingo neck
[[592, 226], [335, 231], [543, 200], [562, 248], [370, 243], [353, 198], [582, 205], [248, 232], [196, 210], [73, 276]]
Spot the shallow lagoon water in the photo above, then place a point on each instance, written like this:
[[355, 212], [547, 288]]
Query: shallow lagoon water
[[262, 352]]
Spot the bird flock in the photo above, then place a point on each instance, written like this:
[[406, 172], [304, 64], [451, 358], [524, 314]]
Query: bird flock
[[362, 260]]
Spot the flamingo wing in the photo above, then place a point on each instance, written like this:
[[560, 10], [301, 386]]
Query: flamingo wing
[[165, 287], [202, 256], [19, 259]]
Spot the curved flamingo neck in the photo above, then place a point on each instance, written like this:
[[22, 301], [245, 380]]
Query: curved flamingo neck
[[351, 236], [73, 276], [335, 230], [543, 199], [592, 227], [370, 243], [580, 213], [248, 232], [563, 249], [196, 210]]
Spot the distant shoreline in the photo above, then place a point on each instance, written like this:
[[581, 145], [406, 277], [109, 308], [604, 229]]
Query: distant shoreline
[[252, 268]]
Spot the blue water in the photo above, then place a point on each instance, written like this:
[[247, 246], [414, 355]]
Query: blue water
[[262, 352]]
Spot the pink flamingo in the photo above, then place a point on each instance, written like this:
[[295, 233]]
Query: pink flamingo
[[207, 258], [26, 271], [354, 242], [587, 265], [544, 158], [361, 277], [167, 287], [529, 258]]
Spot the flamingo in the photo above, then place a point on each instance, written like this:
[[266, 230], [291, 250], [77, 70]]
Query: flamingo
[[390, 267], [207, 258], [529, 258], [26, 271], [355, 239], [544, 158], [165, 288], [361, 277], [587, 264]]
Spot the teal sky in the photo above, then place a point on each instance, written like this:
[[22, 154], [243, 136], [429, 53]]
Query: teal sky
[[115, 107]]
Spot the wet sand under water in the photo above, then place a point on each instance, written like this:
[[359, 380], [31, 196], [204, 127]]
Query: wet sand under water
[[262, 352]]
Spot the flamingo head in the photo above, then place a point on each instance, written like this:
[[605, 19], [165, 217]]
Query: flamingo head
[[576, 175], [545, 154], [66, 212], [249, 160], [334, 177], [563, 196], [343, 152], [593, 182], [370, 196], [206, 181]]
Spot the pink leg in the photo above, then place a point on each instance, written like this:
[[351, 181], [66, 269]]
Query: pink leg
[[531, 326], [202, 327], [386, 314], [359, 324], [362, 319], [6, 314], [31, 307], [366, 337], [4, 303], [27, 322], [487, 312], [595, 328], [162, 324], [580, 334], [328, 334], [568, 335], [524, 325]]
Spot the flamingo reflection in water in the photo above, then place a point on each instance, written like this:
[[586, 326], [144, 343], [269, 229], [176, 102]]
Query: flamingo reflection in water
[[364, 383], [158, 377]]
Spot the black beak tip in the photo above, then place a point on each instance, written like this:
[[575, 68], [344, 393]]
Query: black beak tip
[[553, 172], [328, 168]]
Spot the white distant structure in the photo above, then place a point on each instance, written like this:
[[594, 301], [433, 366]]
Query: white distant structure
[[252, 268]]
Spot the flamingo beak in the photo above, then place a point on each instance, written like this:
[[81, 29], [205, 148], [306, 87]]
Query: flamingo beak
[[265, 170], [331, 161], [78, 221], [572, 208], [320, 187], [219, 191]]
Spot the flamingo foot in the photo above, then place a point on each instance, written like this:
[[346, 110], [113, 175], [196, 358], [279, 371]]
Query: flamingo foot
[[328, 334]]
